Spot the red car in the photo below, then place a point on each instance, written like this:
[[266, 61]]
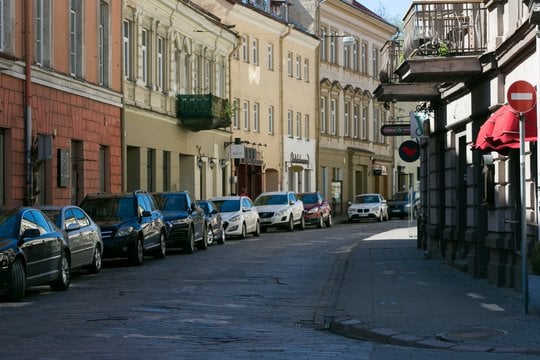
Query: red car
[[317, 211]]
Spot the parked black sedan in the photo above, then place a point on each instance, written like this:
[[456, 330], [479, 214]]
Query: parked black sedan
[[215, 230], [84, 235], [33, 251]]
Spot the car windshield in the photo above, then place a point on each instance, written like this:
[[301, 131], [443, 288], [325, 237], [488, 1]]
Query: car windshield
[[171, 202], [278, 199], [366, 199], [227, 205], [113, 208], [54, 215], [401, 196], [309, 198], [7, 224]]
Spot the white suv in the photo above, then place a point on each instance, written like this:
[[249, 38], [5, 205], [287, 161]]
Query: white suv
[[280, 209], [240, 216]]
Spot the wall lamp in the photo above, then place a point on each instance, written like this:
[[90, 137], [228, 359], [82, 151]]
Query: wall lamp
[[222, 163], [345, 39], [200, 162], [212, 163]]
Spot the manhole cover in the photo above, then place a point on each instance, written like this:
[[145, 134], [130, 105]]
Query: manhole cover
[[470, 334]]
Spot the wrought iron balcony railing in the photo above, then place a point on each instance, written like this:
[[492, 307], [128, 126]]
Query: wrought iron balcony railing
[[445, 28], [203, 112]]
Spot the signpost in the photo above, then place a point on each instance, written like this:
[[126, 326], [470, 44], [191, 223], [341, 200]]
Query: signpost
[[521, 97], [396, 129]]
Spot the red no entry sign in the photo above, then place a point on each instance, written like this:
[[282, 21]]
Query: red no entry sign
[[521, 96]]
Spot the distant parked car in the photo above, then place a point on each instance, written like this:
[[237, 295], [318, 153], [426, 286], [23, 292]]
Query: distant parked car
[[185, 220], [33, 251], [317, 211], [240, 216], [368, 206], [214, 222], [84, 235], [131, 224], [280, 209], [404, 204]]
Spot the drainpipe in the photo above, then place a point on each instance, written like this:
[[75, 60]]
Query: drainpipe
[[28, 194], [282, 143], [231, 102]]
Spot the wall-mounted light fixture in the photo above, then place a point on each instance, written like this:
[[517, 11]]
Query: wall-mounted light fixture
[[222, 163], [212, 163], [200, 162], [346, 40]]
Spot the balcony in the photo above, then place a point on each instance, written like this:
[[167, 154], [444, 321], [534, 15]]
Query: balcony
[[203, 112], [442, 44]]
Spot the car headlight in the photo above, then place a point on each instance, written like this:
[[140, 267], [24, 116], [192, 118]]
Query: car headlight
[[313, 210], [375, 209], [180, 221], [281, 212], [235, 218], [124, 231], [406, 206]]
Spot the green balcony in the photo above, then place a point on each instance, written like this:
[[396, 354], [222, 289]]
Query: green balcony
[[203, 112]]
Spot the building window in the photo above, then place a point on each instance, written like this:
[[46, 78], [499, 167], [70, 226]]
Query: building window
[[104, 36], [104, 172], [323, 114], [75, 38], [207, 77], [306, 70], [220, 79], [255, 51], [188, 84], [256, 121], [363, 59], [166, 168], [150, 169], [375, 62], [246, 115], [271, 120], [127, 43], [298, 67], [43, 31], [376, 126], [356, 125], [289, 123], [333, 117], [236, 115], [364, 129], [196, 76], [346, 56], [144, 55], [270, 56], [323, 44], [245, 52], [346, 118], [298, 125], [333, 47], [355, 56], [306, 127], [160, 63], [289, 64]]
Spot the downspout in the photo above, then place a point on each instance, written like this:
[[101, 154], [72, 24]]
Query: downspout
[[282, 143], [231, 103], [28, 193]]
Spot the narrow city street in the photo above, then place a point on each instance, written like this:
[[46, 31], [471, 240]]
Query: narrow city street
[[267, 297]]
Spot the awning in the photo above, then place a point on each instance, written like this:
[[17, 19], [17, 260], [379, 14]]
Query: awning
[[500, 132]]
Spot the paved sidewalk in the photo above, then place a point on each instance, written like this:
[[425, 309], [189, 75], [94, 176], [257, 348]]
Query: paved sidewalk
[[391, 294]]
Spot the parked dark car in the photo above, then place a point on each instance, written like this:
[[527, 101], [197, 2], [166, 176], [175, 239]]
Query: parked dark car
[[131, 224], [404, 204], [185, 220], [214, 223], [317, 211], [33, 251], [84, 235]]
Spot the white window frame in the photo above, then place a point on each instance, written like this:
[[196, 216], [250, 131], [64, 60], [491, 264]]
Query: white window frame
[[289, 123], [363, 58], [127, 27], [75, 38], [346, 118], [306, 127], [255, 51], [298, 67], [104, 46], [365, 127], [323, 45], [43, 31], [256, 120], [333, 47], [375, 62], [356, 125], [245, 108], [355, 63], [160, 70], [144, 54], [333, 116], [322, 107], [270, 56], [289, 64], [236, 114], [306, 70], [245, 49], [299, 125], [270, 119]]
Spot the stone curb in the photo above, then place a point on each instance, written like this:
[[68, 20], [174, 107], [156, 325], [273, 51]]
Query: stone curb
[[357, 329]]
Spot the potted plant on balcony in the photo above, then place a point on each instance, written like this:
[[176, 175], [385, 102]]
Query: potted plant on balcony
[[443, 49], [534, 278]]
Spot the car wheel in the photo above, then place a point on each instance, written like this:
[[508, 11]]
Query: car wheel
[[95, 267], [189, 243], [290, 225], [209, 236], [62, 281], [137, 253], [221, 239], [203, 243], [17, 281], [257, 231], [302, 225], [320, 222], [243, 234], [380, 218], [329, 221], [161, 252]]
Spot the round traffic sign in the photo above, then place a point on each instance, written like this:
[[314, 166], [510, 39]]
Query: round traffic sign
[[521, 96]]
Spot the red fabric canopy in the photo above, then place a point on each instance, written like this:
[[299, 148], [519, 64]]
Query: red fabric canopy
[[500, 132]]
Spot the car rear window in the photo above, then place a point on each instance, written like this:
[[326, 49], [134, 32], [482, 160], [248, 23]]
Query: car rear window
[[279, 199], [117, 208]]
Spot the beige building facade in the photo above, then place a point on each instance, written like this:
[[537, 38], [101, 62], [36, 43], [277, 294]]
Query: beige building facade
[[354, 157], [176, 85]]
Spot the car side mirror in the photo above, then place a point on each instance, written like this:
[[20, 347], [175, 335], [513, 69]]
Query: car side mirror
[[73, 227], [146, 213], [30, 233], [349, 203]]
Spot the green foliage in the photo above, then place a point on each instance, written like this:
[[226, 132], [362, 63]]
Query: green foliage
[[443, 49], [535, 258]]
